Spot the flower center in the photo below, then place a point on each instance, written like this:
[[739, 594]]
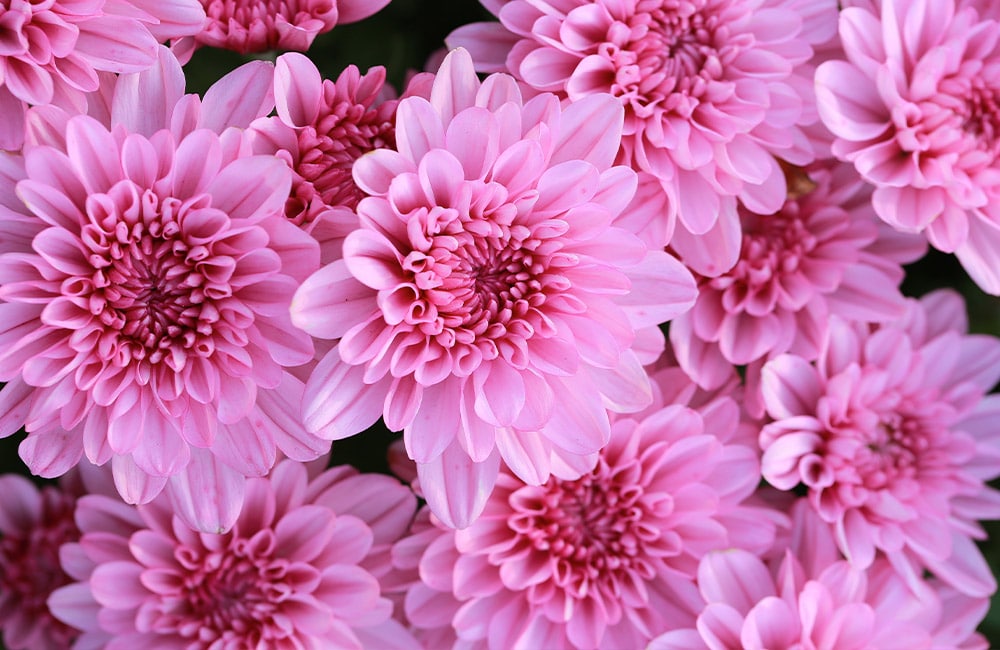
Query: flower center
[[591, 529], [668, 53], [478, 279], [30, 569], [157, 280], [892, 450], [982, 113], [259, 20], [327, 152], [774, 246], [230, 594]]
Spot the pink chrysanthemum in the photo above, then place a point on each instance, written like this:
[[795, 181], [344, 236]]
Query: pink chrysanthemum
[[824, 253], [915, 108], [603, 561], [52, 51], [147, 276], [746, 608], [486, 304], [710, 88], [813, 599], [33, 525], [320, 129], [892, 436], [248, 26], [299, 569]]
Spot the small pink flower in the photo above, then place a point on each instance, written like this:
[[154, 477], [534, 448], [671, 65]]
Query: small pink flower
[[486, 304], [811, 598], [748, 608], [606, 560], [914, 107], [299, 569], [321, 129], [147, 276], [823, 254], [33, 525], [892, 436], [248, 26], [52, 51], [712, 90]]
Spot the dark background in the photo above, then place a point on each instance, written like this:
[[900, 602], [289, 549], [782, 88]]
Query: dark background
[[401, 37]]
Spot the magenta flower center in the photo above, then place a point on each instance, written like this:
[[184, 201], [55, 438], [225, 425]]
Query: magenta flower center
[[982, 113], [158, 285], [895, 445], [478, 279], [262, 17], [30, 568], [892, 450], [668, 54], [233, 593], [773, 251], [595, 530], [345, 132]]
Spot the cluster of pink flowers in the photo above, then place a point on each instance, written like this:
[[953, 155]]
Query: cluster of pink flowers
[[624, 278]]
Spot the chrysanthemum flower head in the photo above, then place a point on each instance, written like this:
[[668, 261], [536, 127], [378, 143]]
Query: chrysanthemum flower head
[[710, 89], [486, 303], [299, 568], [147, 276], [892, 436], [248, 26], [809, 597], [606, 560], [749, 608], [52, 51], [823, 254], [34, 524], [914, 107], [321, 128]]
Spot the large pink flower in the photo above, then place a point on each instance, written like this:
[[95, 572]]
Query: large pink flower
[[915, 108], [486, 305], [52, 51], [603, 561], [33, 525], [711, 90], [147, 276], [823, 254], [248, 26], [892, 436], [299, 569]]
